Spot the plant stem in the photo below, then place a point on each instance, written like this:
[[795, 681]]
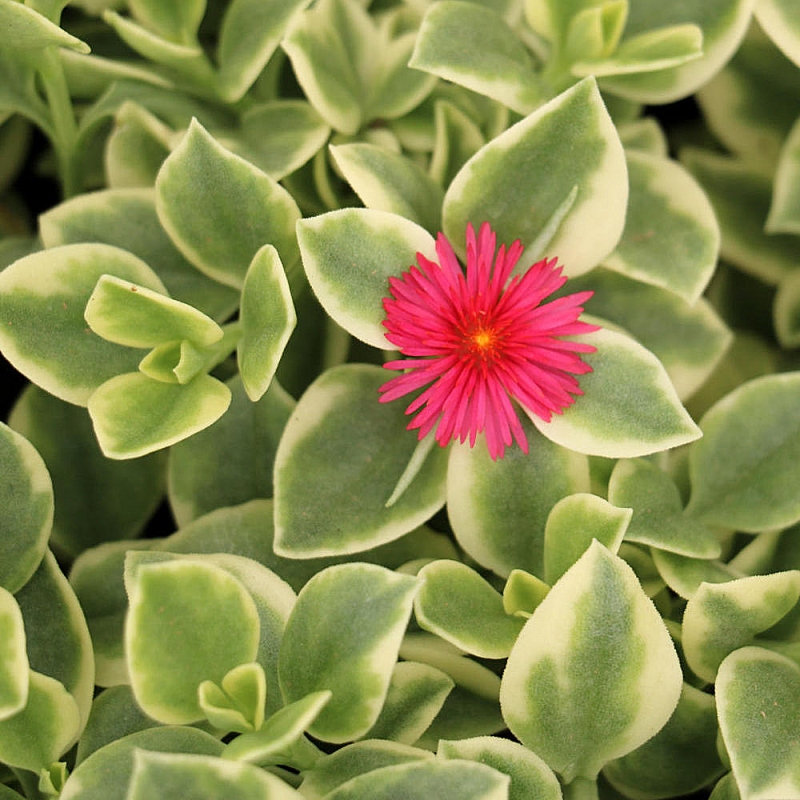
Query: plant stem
[[581, 789]]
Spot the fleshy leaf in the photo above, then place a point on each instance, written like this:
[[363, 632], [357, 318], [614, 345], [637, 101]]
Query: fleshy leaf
[[172, 775], [685, 575], [498, 509], [779, 18], [464, 609], [671, 237], [99, 499], [744, 469], [176, 21], [784, 212], [45, 728], [26, 509], [231, 461], [248, 36], [741, 195], [350, 649], [456, 780], [14, 671], [205, 609], [473, 45], [786, 311], [134, 415], [42, 330], [658, 519], [267, 317], [628, 407], [758, 695], [349, 255], [573, 523], [680, 759], [390, 182], [530, 776], [522, 593], [135, 316], [219, 209], [237, 704], [28, 32], [719, 618], [520, 180], [368, 449], [594, 673]]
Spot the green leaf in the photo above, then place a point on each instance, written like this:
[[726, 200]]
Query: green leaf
[[685, 575], [573, 524], [415, 696], [498, 509], [349, 256], [27, 32], [719, 618], [722, 23], [340, 457], [230, 461], [530, 776], [248, 36], [741, 195], [57, 637], [689, 339], [127, 218], [26, 509], [758, 694], [177, 21], [628, 407], [644, 135], [594, 673], [126, 313], [784, 213], [680, 759], [280, 738], [786, 311], [521, 179], [134, 415], [350, 648], [743, 470], [458, 138], [671, 237], [658, 519], [267, 317], [42, 330], [282, 135], [522, 593], [98, 499], [173, 774], [594, 32], [357, 759], [237, 704], [391, 182], [456, 780], [219, 209], [106, 774], [458, 605], [781, 21], [474, 46], [45, 728], [207, 611], [14, 671]]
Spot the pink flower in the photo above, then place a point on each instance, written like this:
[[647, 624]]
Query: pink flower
[[479, 340]]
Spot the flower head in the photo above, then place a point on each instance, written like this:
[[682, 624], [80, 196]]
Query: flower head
[[478, 340]]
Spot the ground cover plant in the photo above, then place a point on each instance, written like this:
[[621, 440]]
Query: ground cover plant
[[401, 399]]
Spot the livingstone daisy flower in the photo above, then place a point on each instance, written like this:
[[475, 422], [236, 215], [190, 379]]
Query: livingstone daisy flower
[[479, 340]]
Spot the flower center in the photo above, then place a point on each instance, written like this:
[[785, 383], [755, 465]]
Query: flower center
[[482, 341]]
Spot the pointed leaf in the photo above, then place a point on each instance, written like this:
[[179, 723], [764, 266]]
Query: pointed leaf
[[368, 449], [758, 694], [594, 673], [219, 209], [498, 509], [744, 469], [29, 32], [473, 46], [26, 509], [520, 179], [350, 649], [644, 418], [349, 255], [267, 317], [205, 609], [134, 415], [42, 330], [462, 608]]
